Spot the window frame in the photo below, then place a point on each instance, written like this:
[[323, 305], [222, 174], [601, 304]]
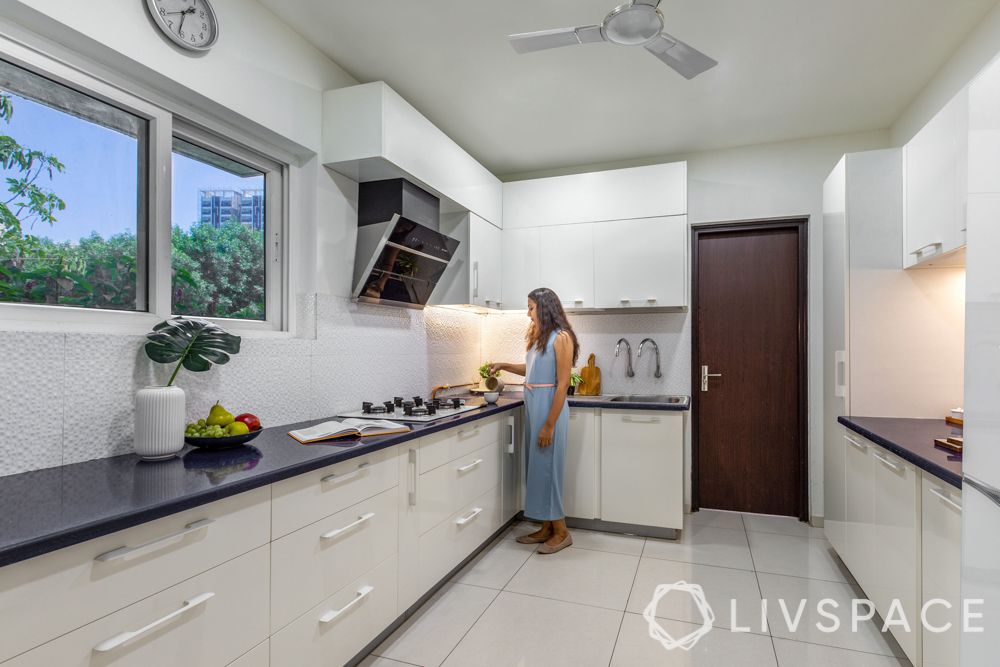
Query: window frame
[[154, 222]]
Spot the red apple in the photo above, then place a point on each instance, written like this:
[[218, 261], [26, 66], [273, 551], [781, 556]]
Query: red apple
[[252, 422]]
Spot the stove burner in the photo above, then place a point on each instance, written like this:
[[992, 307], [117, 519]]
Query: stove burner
[[417, 406]]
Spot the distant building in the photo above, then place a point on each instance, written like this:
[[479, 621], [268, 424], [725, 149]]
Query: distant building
[[219, 206]]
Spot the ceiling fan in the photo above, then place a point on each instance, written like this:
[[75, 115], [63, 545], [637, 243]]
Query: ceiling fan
[[637, 23]]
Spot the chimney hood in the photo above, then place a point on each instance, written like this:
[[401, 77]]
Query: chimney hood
[[401, 253]]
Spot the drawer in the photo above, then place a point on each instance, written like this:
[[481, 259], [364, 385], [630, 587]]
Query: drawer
[[307, 498], [316, 561], [449, 543], [76, 585], [211, 619], [446, 446], [258, 656], [333, 632], [445, 489], [941, 569]]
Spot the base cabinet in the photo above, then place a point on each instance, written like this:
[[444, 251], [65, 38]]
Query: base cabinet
[[941, 571], [581, 478]]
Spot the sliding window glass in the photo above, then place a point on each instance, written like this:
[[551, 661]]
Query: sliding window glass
[[72, 197]]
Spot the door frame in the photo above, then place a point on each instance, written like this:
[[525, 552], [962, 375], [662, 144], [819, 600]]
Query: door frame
[[801, 225]]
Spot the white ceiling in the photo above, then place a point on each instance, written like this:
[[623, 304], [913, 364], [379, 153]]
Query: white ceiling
[[789, 69]]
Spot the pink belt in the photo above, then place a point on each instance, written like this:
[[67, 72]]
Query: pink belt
[[537, 386]]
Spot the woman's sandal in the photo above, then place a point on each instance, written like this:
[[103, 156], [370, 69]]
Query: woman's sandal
[[528, 539], [546, 549]]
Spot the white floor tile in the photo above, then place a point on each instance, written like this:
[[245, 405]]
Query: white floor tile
[[376, 661], [784, 525], [799, 654], [495, 566], [715, 519], [588, 577], [795, 556], [519, 528], [718, 647], [721, 586], [792, 590], [597, 541], [704, 545], [427, 637], [534, 632]]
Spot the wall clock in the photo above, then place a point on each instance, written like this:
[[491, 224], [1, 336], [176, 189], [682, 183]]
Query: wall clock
[[191, 24]]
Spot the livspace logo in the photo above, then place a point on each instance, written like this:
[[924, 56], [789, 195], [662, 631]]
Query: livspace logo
[[860, 610]]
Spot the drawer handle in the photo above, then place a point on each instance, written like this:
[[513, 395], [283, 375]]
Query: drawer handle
[[887, 463], [623, 300], [634, 420], [412, 495], [858, 445], [354, 524], [467, 432], [650, 298], [335, 477], [125, 552], [461, 521], [121, 638], [469, 466], [920, 251], [946, 499], [333, 614]]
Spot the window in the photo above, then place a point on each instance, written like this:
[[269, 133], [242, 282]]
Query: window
[[71, 209], [112, 203]]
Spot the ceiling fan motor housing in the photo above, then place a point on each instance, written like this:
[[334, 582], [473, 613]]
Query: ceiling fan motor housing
[[632, 25]]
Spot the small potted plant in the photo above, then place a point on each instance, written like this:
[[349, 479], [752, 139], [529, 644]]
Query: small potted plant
[[490, 381], [159, 411], [575, 380]]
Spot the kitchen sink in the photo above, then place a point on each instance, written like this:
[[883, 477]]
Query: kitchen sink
[[650, 398]]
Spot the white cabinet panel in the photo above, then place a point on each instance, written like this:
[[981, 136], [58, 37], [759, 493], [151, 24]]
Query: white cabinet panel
[[512, 461], [642, 477], [567, 263], [834, 492], [521, 265], [618, 194], [941, 569], [641, 262], [258, 656], [859, 510], [485, 244], [581, 479]]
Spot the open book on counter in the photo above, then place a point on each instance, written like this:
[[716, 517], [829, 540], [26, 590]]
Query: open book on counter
[[349, 428]]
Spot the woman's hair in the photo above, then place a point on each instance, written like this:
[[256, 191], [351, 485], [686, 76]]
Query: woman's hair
[[551, 317]]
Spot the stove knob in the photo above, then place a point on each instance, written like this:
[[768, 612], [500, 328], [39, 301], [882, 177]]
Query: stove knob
[[456, 403], [406, 404], [388, 406], [408, 409], [431, 408], [366, 407], [418, 400], [397, 401]]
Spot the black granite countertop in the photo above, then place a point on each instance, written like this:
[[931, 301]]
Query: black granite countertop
[[913, 441], [50, 509], [606, 402]]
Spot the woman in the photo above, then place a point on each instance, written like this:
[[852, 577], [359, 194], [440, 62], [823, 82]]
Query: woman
[[552, 351]]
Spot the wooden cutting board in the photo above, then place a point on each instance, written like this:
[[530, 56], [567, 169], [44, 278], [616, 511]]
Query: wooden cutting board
[[591, 374]]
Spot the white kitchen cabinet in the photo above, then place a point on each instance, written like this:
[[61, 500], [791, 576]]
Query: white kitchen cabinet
[[941, 569], [370, 133], [580, 485], [642, 476], [521, 265], [567, 263], [859, 511], [473, 274], [512, 464], [641, 263], [834, 492], [616, 194], [896, 534], [258, 656], [936, 175]]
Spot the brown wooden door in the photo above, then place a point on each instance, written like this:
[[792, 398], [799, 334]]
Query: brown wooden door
[[749, 320]]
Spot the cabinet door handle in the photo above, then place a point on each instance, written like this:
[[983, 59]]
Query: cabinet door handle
[[123, 637], [887, 463], [919, 252], [340, 477], [840, 373], [333, 614], [461, 521], [124, 552], [468, 432], [475, 282], [858, 445], [635, 420], [469, 466], [354, 524], [624, 300], [650, 298], [413, 477], [945, 499]]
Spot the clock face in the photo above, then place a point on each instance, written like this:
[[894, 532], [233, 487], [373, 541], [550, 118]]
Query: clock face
[[188, 23]]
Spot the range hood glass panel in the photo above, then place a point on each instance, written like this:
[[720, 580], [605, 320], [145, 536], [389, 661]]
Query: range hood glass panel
[[414, 236], [403, 277]]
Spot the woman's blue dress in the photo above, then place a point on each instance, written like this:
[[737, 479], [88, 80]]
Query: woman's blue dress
[[545, 465]]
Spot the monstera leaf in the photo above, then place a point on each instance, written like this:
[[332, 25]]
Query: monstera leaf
[[194, 344]]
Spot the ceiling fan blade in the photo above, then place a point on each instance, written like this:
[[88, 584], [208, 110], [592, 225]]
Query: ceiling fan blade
[[687, 60], [526, 42]]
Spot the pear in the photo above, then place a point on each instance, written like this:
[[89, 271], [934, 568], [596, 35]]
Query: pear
[[219, 416]]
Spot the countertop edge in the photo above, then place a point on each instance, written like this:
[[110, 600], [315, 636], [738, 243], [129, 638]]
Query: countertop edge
[[902, 452]]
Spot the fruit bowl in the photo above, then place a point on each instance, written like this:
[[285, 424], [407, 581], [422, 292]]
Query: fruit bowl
[[222, 443]]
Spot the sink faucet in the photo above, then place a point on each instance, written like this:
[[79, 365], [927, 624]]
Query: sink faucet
[[628, 348], [656, 348]]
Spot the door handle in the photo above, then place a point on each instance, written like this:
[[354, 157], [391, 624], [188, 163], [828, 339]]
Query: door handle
[[705, 375], [332, 614], [475, 283], [840, 373], [126, 551], [124, 637]]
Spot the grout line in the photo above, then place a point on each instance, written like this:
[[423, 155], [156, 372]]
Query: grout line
[[471, 626], [900, 659], [578, 604], [631, 588]]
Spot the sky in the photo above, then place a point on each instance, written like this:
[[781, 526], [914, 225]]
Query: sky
[[99, 183]]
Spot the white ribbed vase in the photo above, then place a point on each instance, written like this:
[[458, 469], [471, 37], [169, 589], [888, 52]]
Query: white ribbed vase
[[159, 422]]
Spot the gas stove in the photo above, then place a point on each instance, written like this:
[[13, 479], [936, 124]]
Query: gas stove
[[415, 409]]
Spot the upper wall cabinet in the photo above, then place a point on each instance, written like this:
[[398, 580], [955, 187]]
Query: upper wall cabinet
[[567, 263], [637, 192], [370, 133], [641, 263], [521, 266], [473, 274]]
